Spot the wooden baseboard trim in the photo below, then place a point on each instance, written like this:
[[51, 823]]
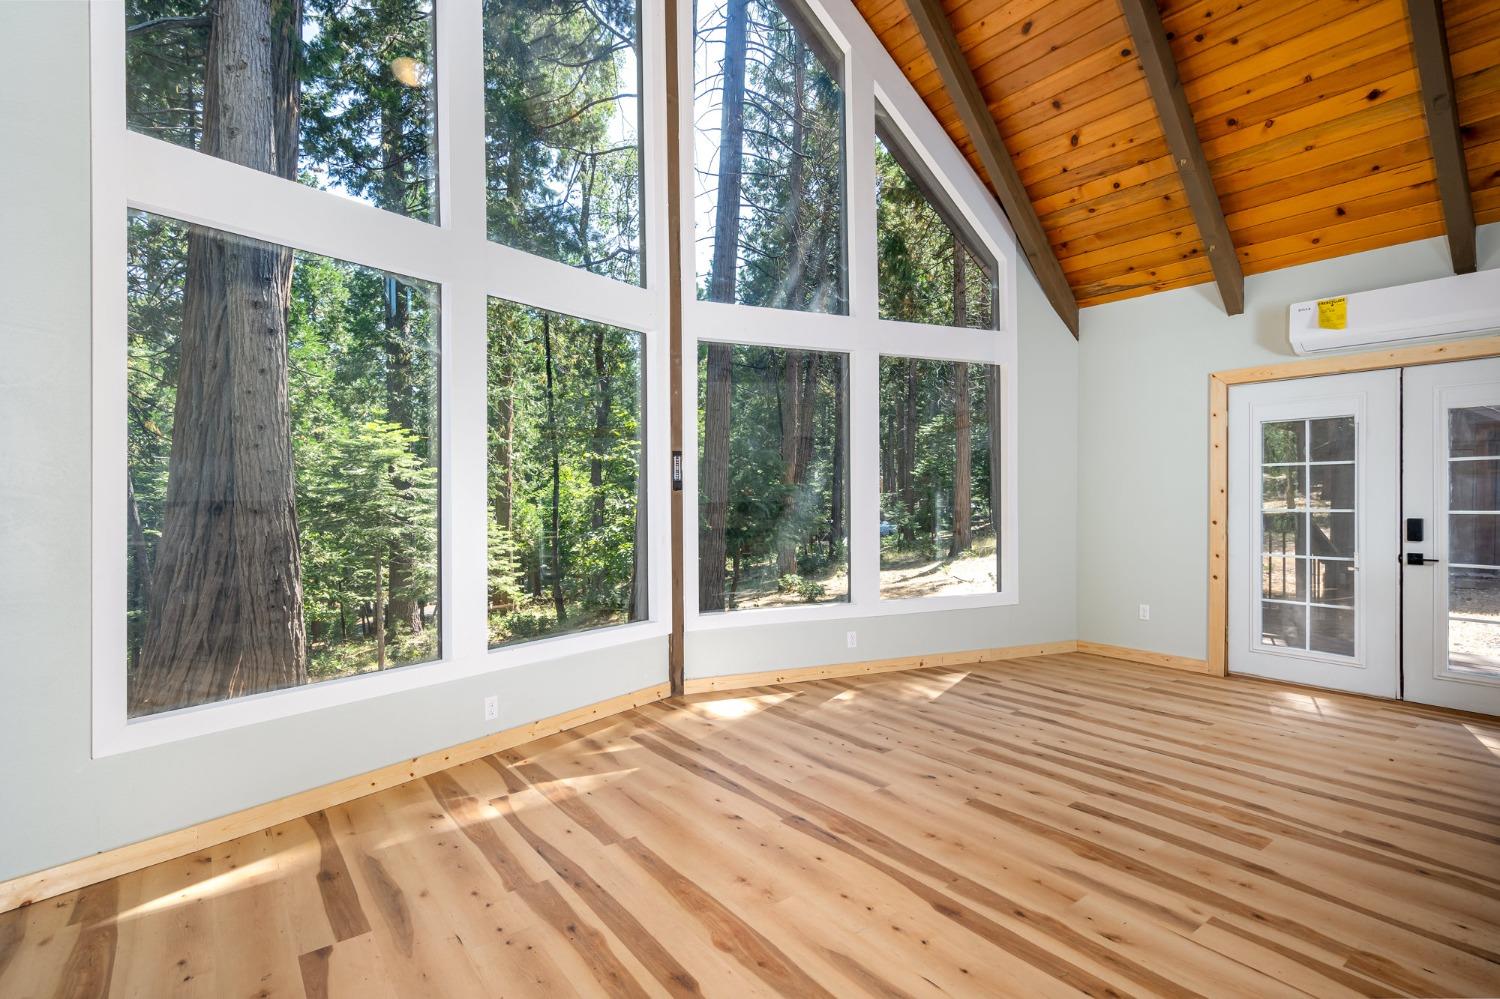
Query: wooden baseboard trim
[[90, 870], [739, 681], [1149, 658]]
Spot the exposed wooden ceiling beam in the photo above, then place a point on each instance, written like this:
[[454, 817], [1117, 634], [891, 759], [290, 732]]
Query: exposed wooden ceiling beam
[[1429, 39], [937, 32], [1155, 52]]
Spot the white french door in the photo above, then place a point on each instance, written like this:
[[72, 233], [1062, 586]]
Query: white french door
[[1451, 564], [1313, 585]]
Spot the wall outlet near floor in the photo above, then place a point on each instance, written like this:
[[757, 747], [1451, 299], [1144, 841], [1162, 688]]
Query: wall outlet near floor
[[853, 639], [1145, 612], [491, 708]]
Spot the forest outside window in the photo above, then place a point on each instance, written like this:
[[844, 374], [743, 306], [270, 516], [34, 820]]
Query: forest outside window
[[768, 142], [567, 548], [562, 131], [773, 482], [929, 268], [940, 450], [337, 94], [282, 495]]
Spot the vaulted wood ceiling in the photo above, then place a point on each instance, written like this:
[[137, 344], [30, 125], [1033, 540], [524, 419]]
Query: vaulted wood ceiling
[[1309, 114]]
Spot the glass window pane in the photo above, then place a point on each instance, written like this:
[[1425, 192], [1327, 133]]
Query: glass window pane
[[1331, 630], [768, 149], [1330, 487], [336, 94], [1284, 534], [1284, 487], [567, 550], [937, 451], [773, 483], [928, 272], [1283, 441], [1283, 625], [1474, 619], [1474, 432], [1474, 485], [283, 467], [1474, 538], [1332, 583], [1331, 535], [562, 131], [1331, 439], [1283, 577]]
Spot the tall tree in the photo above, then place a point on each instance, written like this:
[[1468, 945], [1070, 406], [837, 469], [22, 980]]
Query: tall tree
[[963, 535], [226, 602], [558, 572], [721, 288]]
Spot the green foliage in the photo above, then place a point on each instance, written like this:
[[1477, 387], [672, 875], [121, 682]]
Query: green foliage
[[916, 248], [810, 590], [366, 485], [561, 131], [593, 427]]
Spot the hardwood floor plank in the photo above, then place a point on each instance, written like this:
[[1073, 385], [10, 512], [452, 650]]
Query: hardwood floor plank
[[1056, 826]]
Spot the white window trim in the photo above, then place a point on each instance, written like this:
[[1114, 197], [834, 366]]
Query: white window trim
[[869, 75], [134, 171]]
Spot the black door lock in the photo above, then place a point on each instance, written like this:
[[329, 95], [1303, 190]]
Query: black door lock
[[1417, 558], [1413, 528]]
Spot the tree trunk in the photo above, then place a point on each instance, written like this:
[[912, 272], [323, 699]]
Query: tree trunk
[[992, 411], [715, 484], [600, 449], [226, 603], [836, 517], [962, 463], [790, 398], [379, 614], [790, 293], [721, 288], [907, 458], [557, 556]]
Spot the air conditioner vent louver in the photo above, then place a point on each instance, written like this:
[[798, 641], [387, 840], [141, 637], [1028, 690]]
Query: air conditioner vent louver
[[1462, 305]]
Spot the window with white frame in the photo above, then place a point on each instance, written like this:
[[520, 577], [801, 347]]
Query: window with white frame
[[855, 458], [768, 143], [379, 347], [295, 362]]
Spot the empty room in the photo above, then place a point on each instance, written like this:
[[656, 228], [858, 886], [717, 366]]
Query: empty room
[[810, 498]]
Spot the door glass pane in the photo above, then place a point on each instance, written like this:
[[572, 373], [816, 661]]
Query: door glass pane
[[1308, 534], [1331, 439], [1330, 487], [1474, 539], [1474, 619], [1283, 625], [1474, 432], [1332, 630]]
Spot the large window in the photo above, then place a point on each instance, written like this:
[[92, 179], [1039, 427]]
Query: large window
[[338, 94], [773, 485], [929, 269], [768, 143], [566, 548], [938, 456], [562, 131], [282, 511]]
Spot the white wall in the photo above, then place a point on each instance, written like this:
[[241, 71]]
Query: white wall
[[56, 802], [1143, 433]]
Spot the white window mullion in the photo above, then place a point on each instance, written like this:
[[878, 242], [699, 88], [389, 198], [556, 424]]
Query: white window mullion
[[460, 56], [864, 478], [864, 293]]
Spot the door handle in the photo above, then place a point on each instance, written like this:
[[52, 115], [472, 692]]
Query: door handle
[[1417, 558]]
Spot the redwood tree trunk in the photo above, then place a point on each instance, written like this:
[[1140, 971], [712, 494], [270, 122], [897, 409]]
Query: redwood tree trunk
[[721, 288], [907, 458], [225, 614], [557, 555]]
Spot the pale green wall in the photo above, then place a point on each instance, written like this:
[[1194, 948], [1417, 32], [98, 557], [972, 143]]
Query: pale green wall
[[1143, 433]]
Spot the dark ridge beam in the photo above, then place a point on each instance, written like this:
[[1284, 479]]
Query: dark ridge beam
[[1429, 42], [1177, 123], [973, 111]]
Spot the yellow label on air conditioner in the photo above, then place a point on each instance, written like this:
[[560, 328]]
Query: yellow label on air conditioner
[[1333, 313]]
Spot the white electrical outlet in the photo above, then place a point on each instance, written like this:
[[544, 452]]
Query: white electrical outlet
[[1145, 612], [853, 639], [491, 708]]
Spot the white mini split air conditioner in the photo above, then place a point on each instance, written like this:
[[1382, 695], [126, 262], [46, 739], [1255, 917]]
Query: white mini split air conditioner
[[1461, 305]]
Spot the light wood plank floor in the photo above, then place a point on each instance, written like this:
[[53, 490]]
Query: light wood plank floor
[[1030, 828]]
